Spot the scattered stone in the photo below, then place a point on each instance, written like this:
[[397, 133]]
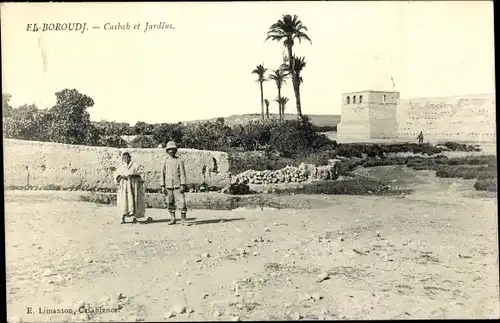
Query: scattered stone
[[208, 241], [288, 305], [48, 272], [316, 297], [89, 260], [255, 253], [235, 318], [190, 310], [168, 315], [378, 234], [217, 313], [267, 229], [322, 277], [178, 274], [178, 309], [205, 255], [341, 239]]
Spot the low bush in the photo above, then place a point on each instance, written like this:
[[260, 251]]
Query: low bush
[[356, 186], [454, 146], [346, 167], [143, 142], [466, 172], [295, 137], [325, 128], [489, 185], [317, 158], [114, 141], [240, 162], [473, 160]]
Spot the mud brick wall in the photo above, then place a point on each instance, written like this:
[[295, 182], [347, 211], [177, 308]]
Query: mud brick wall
[[455, 118], [45, 165]]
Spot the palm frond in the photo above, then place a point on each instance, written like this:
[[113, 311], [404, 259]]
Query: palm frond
[[288, 28], [260, 70]]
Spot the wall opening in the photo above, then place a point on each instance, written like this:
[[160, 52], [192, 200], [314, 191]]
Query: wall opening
[[384, 98], [348, 100], [360, 99], [354, 99]]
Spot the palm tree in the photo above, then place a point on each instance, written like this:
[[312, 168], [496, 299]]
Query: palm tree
[[261, 78], [279, 77], [281, 106], [300, 63], [267, 108], [289, 29]]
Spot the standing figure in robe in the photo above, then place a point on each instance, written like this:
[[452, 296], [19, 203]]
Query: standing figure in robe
[[131, 197]]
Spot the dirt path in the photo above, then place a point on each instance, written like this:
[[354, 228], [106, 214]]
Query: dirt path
[[360, 258]]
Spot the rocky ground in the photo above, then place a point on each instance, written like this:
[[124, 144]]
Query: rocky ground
[[432, 254]]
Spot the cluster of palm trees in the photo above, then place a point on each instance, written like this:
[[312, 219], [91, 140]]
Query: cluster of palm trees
[[288, 29]]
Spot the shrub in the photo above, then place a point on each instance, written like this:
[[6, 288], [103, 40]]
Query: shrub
[[240, 162], [143, 142], [316, 158], [254, 134], [295, 137], [166, 132], [325, 128], [346, 167], [208, 136], [466, 172], [357, 186], [474, 160], [113, 141], [454, 146], [489, 185]]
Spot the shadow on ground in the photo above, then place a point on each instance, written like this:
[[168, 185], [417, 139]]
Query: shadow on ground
[[192, 221]]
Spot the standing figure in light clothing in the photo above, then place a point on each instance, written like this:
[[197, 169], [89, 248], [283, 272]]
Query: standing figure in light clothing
[[131, 193], [174, 183]]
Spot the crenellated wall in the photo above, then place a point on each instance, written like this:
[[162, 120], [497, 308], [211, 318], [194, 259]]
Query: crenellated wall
[[456, 118], [383, 115]]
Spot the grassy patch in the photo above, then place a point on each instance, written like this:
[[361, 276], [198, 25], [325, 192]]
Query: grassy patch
[[356, 186]]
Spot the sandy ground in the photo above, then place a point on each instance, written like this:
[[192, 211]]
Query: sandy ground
[[433, 254]]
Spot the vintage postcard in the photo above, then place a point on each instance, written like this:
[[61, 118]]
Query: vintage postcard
[[273, 160]]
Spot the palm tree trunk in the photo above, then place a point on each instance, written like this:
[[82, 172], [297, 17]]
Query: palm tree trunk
[[296, 89], [295, 81], [262, 100], [279, 103], [267, 112]]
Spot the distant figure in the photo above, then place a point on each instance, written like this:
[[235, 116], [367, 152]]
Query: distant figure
[[420, 138], [131, 200], [173, 176]]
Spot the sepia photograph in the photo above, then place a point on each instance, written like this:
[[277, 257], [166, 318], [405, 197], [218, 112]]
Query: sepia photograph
[[249, 161]]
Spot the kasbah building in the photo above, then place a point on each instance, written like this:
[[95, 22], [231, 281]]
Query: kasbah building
[[382, 116]]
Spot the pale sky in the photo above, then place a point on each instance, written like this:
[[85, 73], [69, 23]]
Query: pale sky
[[202, 69]]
